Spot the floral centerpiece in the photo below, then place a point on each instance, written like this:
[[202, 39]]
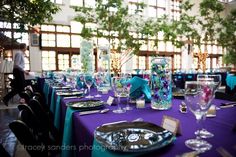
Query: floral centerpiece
[[161, 84], [86, 53]]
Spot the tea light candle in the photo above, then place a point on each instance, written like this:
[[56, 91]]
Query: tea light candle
[[140, 103], [104, 91]]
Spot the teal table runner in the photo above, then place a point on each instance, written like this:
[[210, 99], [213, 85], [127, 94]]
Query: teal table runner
[[67, 140], [46, 91], [57, 112], [52, 104]]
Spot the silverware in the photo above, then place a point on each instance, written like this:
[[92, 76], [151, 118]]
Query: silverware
[[73, 97], [117, 122], [227, 105], [93, 111], [223, 152], [189, 154]]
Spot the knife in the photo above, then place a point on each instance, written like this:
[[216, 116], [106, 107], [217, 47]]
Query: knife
[[227, 105], [73, 97], [89, 112]]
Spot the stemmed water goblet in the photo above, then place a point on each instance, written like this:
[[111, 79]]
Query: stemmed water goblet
[[98, 80], [126, 90], [216, 82], [198, 97], [88, 80], [117, 84]]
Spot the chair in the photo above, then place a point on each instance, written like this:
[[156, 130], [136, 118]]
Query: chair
[[23, 133], [27, 95], [45, 119], [3, 152], [37, 127], [29, 118]]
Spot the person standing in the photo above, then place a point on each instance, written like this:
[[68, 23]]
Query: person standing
[[18, 83]]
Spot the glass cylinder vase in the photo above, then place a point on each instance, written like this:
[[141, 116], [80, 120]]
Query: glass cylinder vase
[[161, 83], [103, 61]]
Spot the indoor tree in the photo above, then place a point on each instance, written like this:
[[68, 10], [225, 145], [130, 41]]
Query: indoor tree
[[26, 13], [227, 37], [113, 22]]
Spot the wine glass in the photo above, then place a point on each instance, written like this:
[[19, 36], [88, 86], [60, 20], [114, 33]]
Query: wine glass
[[216, 81], [126, 90], [88, 80], [118, 90], [98, 80], [198, 96]]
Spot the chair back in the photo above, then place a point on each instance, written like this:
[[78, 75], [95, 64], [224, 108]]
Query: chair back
[[27, 139]]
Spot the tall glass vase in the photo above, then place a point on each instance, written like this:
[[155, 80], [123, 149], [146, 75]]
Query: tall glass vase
[[161, 83], [104, 67]]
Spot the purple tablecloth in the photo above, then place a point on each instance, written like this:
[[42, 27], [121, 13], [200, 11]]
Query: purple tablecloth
[[221, 126]]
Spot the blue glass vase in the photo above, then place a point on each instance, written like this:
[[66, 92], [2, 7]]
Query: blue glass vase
[[161, 83]]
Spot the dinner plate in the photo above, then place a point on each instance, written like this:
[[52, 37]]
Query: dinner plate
[[86, 104], [133, 137]]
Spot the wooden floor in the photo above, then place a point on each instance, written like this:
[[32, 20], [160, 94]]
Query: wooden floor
[[7, 138]]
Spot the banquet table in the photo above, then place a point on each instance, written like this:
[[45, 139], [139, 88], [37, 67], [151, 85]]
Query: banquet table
[[81, 128], [221, 126]]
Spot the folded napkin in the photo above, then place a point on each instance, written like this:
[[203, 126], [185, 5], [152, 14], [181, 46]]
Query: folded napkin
[[139, 87], [79, 83], [51, 75]]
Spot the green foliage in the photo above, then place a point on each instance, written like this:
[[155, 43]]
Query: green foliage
[[30, 12], [210, 18], [228, 38], [112, 22]]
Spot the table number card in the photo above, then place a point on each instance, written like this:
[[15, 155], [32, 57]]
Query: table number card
[[110, 100], [171, 124]]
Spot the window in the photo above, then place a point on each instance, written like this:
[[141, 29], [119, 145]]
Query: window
[[141, 62], [76, 27], [90, 3], [48, 40], [152, 11], [56, 1], [75, 40], [76, 3], [27, 63], [75, 62], [63, 40], [161, 3], [63, 29], [177, 61], [50, 28], [175, 9], [63, 61], [48, 60]]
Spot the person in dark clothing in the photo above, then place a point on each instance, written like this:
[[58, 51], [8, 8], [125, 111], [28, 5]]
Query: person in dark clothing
[[18, 83]]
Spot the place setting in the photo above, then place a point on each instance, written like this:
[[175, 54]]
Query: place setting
[[137, 137]]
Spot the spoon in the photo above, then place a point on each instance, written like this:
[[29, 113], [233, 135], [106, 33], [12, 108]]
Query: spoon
[[94, 111]]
